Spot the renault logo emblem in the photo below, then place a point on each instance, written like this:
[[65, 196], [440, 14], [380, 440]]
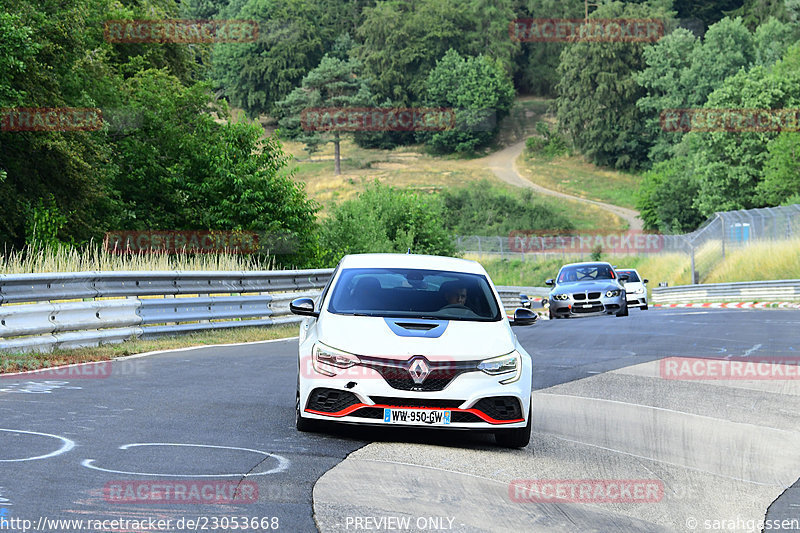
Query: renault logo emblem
[[419, 369]]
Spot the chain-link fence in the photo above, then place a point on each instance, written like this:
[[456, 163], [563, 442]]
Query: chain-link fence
[[712, 240]]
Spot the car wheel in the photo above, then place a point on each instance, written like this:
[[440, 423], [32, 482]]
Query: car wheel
[[515, 438], [624, 311], [644, 307], [550, 314], [302, 424]]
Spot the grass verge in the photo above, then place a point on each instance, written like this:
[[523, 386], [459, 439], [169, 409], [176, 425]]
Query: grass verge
[[33, 361], [573, 175], [92, 257]]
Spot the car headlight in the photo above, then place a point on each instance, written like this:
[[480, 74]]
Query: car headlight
[[325, 355], [561, 297], [611, 294], [505, 364]]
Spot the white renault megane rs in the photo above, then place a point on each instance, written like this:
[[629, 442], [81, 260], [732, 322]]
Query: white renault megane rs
[[413, 340]]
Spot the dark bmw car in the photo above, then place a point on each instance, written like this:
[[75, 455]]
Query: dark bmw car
[[583, 289]]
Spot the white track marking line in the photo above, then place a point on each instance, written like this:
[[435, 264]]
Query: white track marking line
[[67, 446], [283, 463]]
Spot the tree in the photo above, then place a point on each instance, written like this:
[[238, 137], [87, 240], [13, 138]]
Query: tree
[[665, 197], [537, 62], [63, 62], [772, 39], [597, 94], [290, 43], [708, 11], [208, 175], [386, 219], [333, 84], [781, 169], [727, 48], [479, 91], [666, 63], [730, 164], [401, 40], [757, 12]]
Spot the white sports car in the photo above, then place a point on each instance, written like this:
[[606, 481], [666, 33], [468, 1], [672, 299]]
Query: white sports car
[[413, 340]]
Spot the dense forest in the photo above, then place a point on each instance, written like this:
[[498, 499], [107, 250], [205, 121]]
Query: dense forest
[[168, 155]]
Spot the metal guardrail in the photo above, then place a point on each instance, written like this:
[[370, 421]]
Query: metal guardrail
[[104, 307], [781, 290], [143, 304]]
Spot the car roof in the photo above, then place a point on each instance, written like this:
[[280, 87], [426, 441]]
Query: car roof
[[587, 263], [417, 261]]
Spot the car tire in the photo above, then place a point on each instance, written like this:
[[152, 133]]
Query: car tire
[[644, 307], [515, 438], [302, 424], [624, 311], [550, 314]]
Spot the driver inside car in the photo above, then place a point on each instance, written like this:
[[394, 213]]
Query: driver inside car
[[454, 293]]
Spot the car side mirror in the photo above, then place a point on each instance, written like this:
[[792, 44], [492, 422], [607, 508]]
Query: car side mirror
[[524, 317], [646, 281], [550, 282], [303, 306]]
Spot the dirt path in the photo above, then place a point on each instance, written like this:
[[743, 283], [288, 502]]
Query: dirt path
[[504, 166]]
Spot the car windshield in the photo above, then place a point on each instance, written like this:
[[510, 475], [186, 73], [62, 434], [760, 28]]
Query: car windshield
[[585, 273], [632, 277], [397, 292]]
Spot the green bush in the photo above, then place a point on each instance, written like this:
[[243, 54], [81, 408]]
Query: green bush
[[484, 209], [385, 219], [547, 145]]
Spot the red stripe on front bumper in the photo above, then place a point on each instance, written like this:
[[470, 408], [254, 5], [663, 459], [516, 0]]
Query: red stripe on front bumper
[[483, 416]]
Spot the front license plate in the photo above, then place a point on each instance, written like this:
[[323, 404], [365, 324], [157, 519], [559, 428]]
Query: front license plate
[[419, 417], [587, 306]]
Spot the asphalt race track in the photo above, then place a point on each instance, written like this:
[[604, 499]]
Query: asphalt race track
[[222, 419]]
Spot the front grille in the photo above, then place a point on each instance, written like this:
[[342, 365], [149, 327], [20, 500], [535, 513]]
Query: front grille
[[416, 402], [500, 407], [458, 416], [330, 400], [398, 377], [580, 296], [369, 412]]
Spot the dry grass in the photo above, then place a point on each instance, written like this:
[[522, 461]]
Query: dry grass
[[90, 258], [28, 361], [758, 262], [404, 167]]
